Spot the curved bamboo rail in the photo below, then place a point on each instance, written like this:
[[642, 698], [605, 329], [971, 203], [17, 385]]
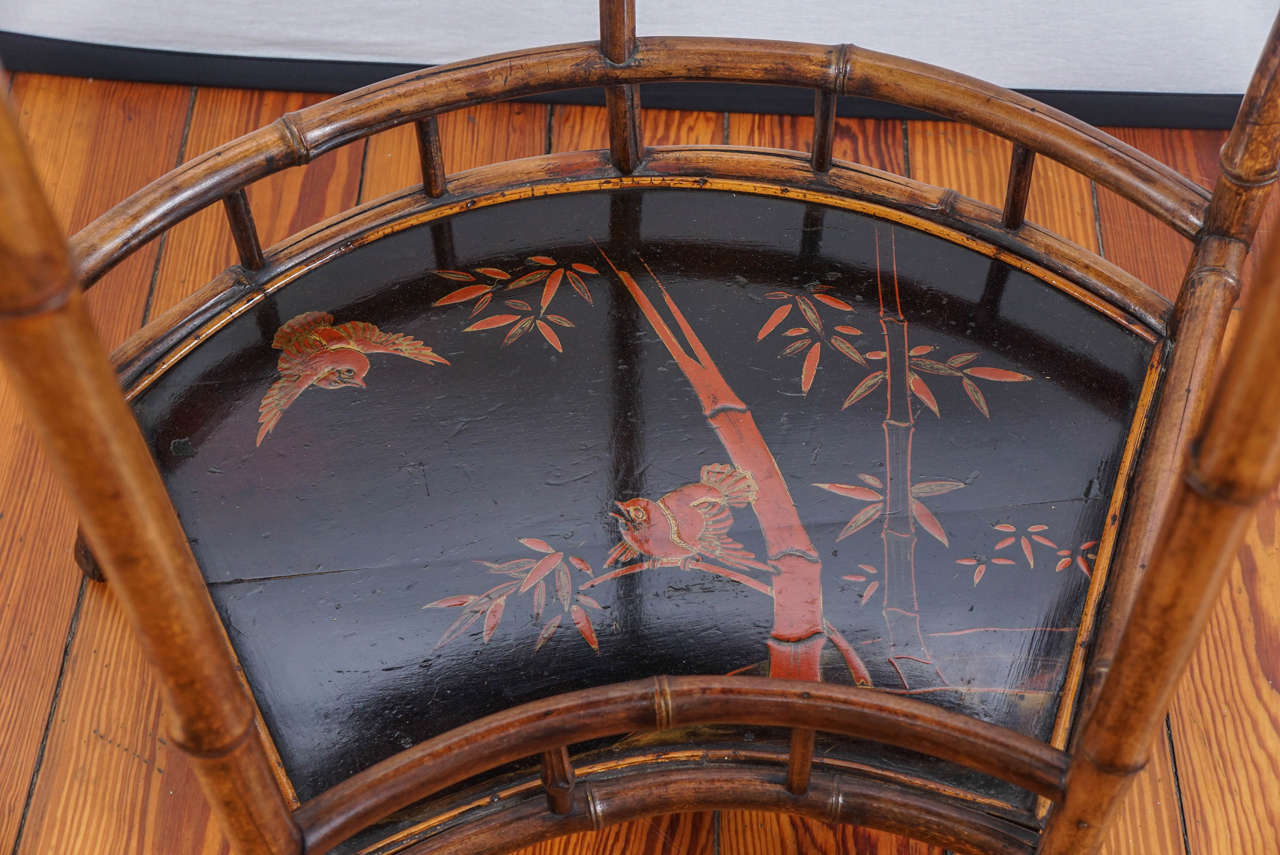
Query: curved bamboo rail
[[661, 704], [298, 137]]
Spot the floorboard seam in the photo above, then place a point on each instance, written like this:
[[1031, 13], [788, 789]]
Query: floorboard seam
[[547, 144], [1177, 785], [906, 152], [164, 238], [1097, 217], [364, 162], [72, 627]]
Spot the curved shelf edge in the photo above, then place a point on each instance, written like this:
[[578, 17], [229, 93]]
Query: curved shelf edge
[[663, 703], [1107, 287]]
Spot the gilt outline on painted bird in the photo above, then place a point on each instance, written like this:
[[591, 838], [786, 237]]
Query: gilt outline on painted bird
[[315, 352], [688, 524]]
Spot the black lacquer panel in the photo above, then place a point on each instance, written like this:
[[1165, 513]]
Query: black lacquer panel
[[492, 468]]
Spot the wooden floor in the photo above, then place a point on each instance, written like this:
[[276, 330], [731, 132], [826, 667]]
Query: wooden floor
[[85, 767]]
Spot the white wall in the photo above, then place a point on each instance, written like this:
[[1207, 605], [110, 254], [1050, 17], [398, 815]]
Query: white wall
[[1203, 46]]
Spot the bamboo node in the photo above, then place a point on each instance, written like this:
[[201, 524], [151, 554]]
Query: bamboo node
[[294, 138], [835, 803], [844, 67], [1238, 178], [663, 704], [595, 810], [1237, 495], [242, 735]]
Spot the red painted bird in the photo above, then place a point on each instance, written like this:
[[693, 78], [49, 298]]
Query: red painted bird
[[317, 353], [688, 523]]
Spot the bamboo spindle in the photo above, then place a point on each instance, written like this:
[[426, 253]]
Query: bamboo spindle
[[1234, 464], [824, 129], [618, 44], [434, 181], [1021, 164], [800, 760], [243, 230], [558, 780], [72, 400]]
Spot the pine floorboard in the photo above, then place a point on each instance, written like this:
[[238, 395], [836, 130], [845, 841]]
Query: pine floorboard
[[85, 766]]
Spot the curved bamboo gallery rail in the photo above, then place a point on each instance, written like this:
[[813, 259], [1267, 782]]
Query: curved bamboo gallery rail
[[461, 478]]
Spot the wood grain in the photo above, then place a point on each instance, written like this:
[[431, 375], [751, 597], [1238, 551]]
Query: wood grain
[[670, 834], [472, 137], [1130, 237], [874, 142], [574, 128], [110, 782], [759, 833], [976, 164], [91, 142], [201, 247], [1226, 715]]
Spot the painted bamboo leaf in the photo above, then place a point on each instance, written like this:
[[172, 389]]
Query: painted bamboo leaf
[[493, 273], [579, 286], [810, 368], [481, 305], [564, 585], [848, 330], [932, 366], [580, 564], [547, 631], [928, 521], [833, 302], [518, 330], [795, 331], [492, 322], [810, 314], [493, 617], [978, 573], [539, 599], [795, 347], [463, 600], [529, 279], [462, 295], [862, 494], [585, 268], [845, 347], [961, 359], [861, 520], [456, 275], [871, 479], [518, 305], [779, 315], [935, 488], [921, 350], [998, 374], [583, 622], [1027, 551], [870, 591], [975, 394], [537, 544], [589, 601], [541, 569], [550, 335], [549, 290], [922, 391], [544, 260], [866, 387], [559, 320], [459, 626]]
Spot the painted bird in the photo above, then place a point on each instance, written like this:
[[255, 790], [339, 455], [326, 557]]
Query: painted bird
[[689, 523], [317, 353]]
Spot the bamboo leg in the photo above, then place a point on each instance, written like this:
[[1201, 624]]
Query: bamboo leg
[[243, 230], [70, 393], [618, 43], [1234, 464], [433, 175]]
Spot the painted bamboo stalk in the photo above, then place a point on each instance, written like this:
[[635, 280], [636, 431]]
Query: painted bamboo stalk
[[795, 645], [901, 604]]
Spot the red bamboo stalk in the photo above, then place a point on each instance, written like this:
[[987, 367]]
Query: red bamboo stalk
[[795, 646]]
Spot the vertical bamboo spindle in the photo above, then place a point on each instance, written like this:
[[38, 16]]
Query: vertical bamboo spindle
[[800, 760], [72, 400], [433, 178], [243, 230], [1021, 165], [824, 129], [618, 43], [1233, 465], [558, 780]]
